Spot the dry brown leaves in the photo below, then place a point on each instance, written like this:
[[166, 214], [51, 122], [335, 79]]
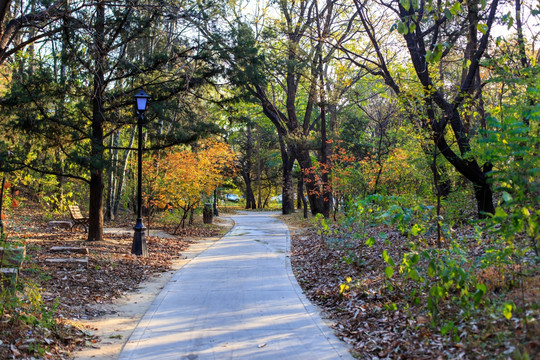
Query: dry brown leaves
[[111, 270], [363, 313], [196, 230], [72, 291]]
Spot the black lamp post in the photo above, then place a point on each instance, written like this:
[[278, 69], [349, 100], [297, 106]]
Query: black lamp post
[[139, 241]]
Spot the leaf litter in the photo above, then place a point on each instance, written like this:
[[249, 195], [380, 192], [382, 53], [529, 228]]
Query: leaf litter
[[72, 292], [346, 278]]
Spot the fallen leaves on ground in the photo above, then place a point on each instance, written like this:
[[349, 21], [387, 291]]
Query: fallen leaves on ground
[[347, 279], [111, 270], [71, 292]]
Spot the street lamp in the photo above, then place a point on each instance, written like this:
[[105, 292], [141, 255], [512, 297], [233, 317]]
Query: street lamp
[[139, 242]]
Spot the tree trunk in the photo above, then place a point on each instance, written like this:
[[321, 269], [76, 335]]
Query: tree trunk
[[287, 195], [311, 183], [191, 215], [417, 45], [522, 53], [444, 185], [438, 193], [299, 191], [296, 147], [95, 209], [440, 177], [484, 199], [182, 220], [246, 170], [288, 189], [325, 168], [112, 171], [214, 204], [250, 197], [467, 167], [259, 185], [301, 196], [122, 174], [465, 164]]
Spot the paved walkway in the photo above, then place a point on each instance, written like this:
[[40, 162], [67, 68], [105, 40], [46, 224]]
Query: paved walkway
[[236, 300]]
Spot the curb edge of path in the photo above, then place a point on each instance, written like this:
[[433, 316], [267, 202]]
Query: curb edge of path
[[314, 312], [133, 339]]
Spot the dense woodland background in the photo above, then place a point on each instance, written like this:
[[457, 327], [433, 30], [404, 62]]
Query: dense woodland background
[[420, 116]]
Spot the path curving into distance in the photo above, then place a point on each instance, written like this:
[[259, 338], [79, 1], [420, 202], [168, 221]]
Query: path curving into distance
[[236, 300]]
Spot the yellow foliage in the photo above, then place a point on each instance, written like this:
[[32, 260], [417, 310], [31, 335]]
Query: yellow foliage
[[181, 178], [396, 170]]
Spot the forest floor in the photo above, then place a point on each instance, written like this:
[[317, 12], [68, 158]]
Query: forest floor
[[377, 318], [95, 306], [68, 305]]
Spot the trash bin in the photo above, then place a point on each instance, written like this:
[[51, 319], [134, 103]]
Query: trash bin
[[208, 214]]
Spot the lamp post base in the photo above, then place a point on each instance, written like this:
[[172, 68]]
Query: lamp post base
[[139, 240]]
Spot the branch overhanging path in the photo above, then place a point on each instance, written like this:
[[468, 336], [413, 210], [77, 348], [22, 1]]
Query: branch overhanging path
[[236, 300]]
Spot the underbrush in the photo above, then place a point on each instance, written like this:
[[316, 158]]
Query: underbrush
[[398, 289], [30, 327]]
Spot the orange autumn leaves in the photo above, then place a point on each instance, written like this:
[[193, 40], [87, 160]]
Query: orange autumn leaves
[[341, 166], [11, 200], [351, 176], [181, 179]]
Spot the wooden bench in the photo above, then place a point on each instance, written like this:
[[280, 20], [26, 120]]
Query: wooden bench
[[78, 218]]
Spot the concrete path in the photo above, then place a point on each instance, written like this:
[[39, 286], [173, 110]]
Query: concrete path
[[236, 300]]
